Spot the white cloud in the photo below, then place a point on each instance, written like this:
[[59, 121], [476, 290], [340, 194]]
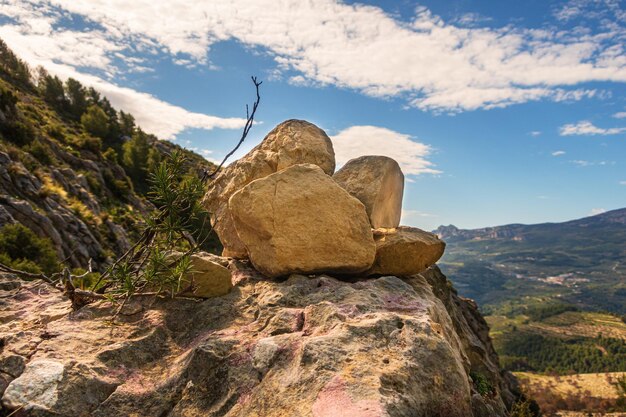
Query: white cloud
[[535, 133], [409, 216], [357, 141], [558, 153], [65, 53], [584, 163], [620, 115], [596, 211], [449, 67], [587, 128], [622, 183]]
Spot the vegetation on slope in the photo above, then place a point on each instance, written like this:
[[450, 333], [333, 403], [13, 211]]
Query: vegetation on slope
[[74, 169]]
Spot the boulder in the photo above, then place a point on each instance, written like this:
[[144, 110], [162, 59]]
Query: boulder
[[291, 142], [378, 182], [405, 251], [300, 221], [207, 277]]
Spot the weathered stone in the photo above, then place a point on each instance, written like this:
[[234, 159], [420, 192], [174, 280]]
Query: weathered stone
[[209, 279], [391, 347], [378, 182], [291, 142], [405, 251], [300, 221], [37, 387]]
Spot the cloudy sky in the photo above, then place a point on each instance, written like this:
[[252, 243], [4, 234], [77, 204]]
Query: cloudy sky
[[498, 111]]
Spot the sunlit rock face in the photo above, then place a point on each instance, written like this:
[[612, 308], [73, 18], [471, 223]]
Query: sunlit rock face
[[291, 142], [300, 221], [311, 346], [378, 182], [405, 251]]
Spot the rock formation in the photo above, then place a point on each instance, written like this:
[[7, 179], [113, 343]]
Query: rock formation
[[291, 142], [306, 347], [299, 220], [405, 251], [288, 216], [378, 182]]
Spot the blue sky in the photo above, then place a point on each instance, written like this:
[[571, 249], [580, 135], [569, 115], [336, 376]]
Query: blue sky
[[498, 111]]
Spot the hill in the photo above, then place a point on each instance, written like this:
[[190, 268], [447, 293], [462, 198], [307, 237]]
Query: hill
[[73, 171], [579, 262], [554, 295]]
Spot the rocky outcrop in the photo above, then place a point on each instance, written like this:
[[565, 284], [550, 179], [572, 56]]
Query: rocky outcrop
[[307, 347], [299, 220], [291, 142], [63, 207], [405, 251], [378, 182]]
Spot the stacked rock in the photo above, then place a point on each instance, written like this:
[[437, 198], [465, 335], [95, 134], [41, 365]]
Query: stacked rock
[[282, 207]]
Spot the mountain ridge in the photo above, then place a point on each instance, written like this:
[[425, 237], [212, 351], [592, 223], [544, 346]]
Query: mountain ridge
[[611, 216]]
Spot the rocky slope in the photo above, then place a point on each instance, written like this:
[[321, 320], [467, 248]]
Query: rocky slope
[[306, 346], [61, 181]]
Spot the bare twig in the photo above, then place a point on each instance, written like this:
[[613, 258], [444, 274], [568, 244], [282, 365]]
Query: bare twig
[[246, 129], [27, 275]]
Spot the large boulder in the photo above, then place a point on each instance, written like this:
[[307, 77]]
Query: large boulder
[[378, 182], [291, 142], [405, 251], [300, 221]]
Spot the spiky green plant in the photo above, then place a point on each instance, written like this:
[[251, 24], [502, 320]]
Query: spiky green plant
[[149, 265]]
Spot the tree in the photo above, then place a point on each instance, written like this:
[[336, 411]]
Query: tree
[[51, 88], [76, 97], [127, 124], [95, 121], [13, 66]]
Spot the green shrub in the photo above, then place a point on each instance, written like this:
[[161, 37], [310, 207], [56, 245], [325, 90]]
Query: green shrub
[[482, 384], [89, 143], [526, 408], [20, 133], [40, 151], [95, 121], [21, 248], [55, 131]]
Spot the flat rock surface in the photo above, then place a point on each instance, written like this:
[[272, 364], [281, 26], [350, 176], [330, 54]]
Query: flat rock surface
[[304, 347], [291, 142], [299, 220]]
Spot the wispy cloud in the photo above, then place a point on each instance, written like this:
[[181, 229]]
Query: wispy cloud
[[620, 115], [356, 141], [451, 67], [535, 133], [596, 211], [558, 153], [586, 128], [585, 163], [94, 57], [622, 183]]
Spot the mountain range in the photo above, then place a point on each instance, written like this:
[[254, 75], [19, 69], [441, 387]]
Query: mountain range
[[582, 262]]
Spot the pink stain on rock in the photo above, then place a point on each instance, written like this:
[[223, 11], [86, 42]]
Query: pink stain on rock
[[335, 401]]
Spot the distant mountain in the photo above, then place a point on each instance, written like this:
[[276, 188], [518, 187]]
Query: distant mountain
[[580, 261]]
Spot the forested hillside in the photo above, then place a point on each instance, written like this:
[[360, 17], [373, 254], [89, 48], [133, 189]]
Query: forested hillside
[[74, 171]]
